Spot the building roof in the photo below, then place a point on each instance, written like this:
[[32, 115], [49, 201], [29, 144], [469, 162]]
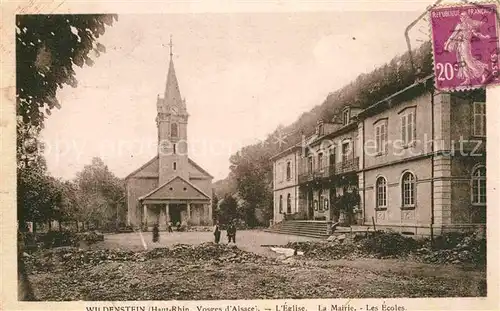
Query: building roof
[[387, 102], [160, 193], [142, 167], [199, 168], [285, 152]]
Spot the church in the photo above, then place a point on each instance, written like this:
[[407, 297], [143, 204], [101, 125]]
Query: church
[[170, 187]]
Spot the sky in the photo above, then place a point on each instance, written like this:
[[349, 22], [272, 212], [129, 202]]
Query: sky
[[242, 75]]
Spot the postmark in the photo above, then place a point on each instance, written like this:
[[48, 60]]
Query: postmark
[[465, 46]]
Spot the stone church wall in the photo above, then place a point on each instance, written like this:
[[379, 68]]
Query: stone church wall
[[136, 188]]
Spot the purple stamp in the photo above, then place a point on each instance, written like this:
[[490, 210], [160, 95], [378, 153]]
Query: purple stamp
[[465, 46]]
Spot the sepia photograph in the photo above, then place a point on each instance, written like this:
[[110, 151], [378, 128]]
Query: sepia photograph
[[254, 155]]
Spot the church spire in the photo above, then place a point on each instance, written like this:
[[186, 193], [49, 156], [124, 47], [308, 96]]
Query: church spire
[[172, 92]]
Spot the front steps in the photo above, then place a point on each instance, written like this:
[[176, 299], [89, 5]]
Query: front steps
[[308, 228], [315, 229]]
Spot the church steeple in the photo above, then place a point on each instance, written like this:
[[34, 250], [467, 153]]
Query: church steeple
[[172, 92], [172, 122]]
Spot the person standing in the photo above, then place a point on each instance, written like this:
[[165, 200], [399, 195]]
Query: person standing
[[169, 227], [217, 232], [156, 233], [231, 232]]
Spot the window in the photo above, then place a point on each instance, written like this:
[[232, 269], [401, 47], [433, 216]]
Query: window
[[346, 151], [288, 170], [174, 150], [174, 131], [289, 204], [333, 156], [479, 119], [408, 127], [281, 204], [310, 164], [175, 166], [279, 172], [345, 116], [408, 190], [381, 192], [320, 160], [479, 185], [381, 137]]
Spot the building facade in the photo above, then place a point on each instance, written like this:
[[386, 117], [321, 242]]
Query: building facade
[[417, 163], [171, 187]]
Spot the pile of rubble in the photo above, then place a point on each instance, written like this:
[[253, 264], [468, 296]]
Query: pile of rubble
[[72, 258], [205, 252], [451, 248], [460, 249]]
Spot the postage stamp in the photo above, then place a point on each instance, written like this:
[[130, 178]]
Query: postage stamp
[[465, 46]]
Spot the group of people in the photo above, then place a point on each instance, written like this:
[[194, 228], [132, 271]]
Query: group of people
[[231, 232]]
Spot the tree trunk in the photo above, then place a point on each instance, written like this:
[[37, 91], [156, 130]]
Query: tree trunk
[[24, 289], [50, 225], [76, 222], [59, 225]]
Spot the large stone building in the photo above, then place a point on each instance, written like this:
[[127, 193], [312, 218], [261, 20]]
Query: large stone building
[[417, 162], [171, 186]]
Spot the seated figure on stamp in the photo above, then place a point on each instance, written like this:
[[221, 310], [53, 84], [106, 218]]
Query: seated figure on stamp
[[460, 42]]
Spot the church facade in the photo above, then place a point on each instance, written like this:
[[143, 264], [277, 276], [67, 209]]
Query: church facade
[[170, 187]]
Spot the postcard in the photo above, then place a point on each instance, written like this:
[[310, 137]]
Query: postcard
[[248, 156]]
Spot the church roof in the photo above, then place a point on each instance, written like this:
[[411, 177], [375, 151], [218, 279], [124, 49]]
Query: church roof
[[171, 190], [142, 167], [172, 91], [155, 158], [199, 168]]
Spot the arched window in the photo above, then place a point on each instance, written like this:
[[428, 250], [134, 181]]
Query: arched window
[[281, 204], [381, 190], [479, 185], [174, 131], [408, 189], [288, 170], [289, 204]]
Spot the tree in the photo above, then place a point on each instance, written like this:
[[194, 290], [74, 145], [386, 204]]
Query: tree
[[47, 47], [101, 194], [227, 209]]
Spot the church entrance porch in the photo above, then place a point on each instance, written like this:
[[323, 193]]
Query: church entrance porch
[[190, 213], [175, 212]]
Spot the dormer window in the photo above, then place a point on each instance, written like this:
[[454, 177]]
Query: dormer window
[[345, 116], [320, 129]]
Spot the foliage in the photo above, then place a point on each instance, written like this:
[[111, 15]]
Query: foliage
[[228, 209], [53, 239], [101, 195], [47, 47], [347, 201]]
